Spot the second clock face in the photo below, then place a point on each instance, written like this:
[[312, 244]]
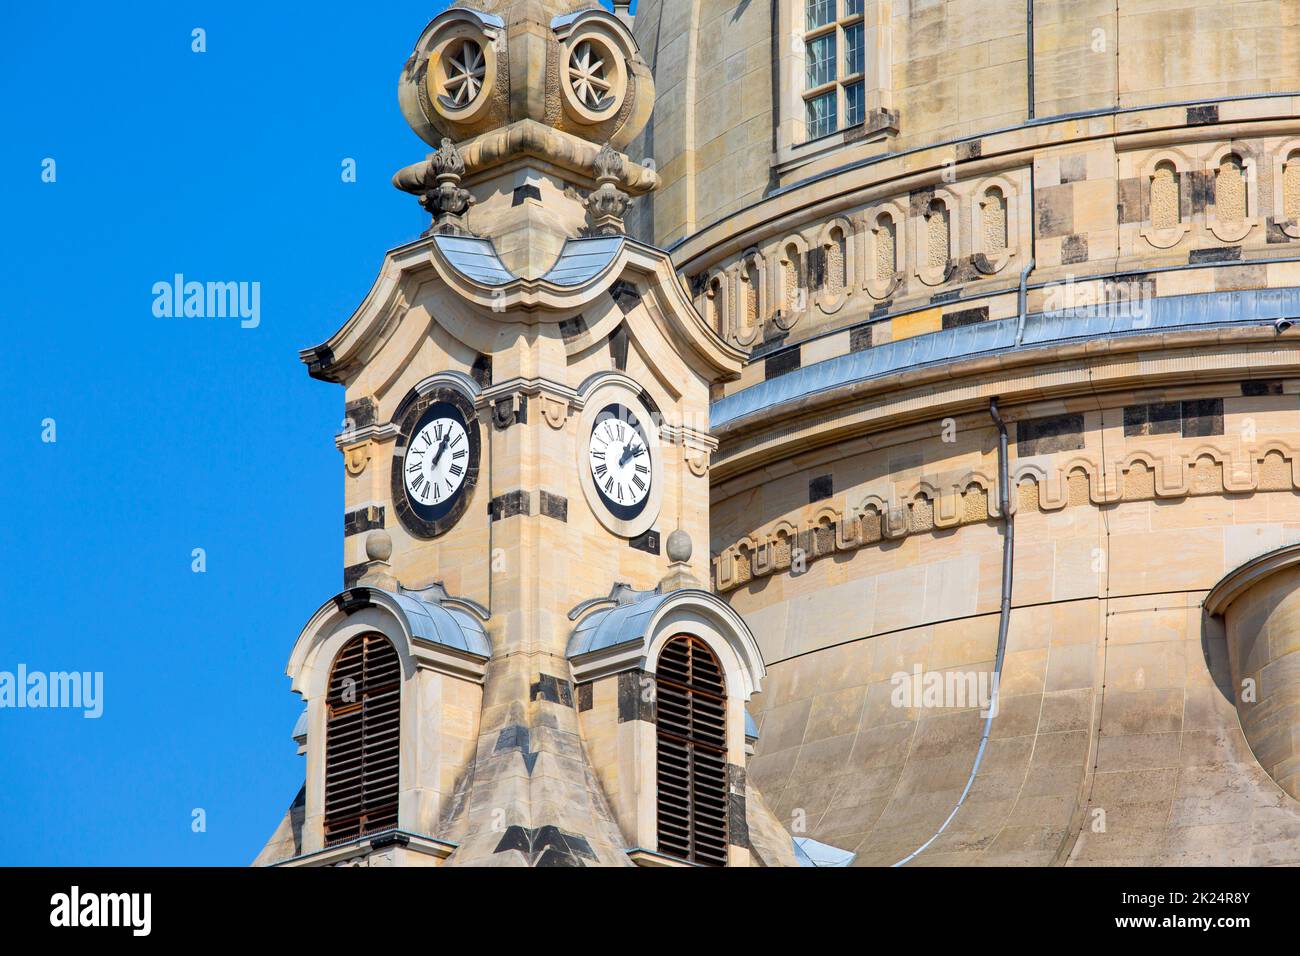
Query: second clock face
[[619, 458]]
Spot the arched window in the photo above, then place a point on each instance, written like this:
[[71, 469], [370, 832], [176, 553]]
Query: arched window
[[361, 739], [691, 723]]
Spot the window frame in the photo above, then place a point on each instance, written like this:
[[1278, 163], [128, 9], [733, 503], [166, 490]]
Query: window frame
[[841, 21]]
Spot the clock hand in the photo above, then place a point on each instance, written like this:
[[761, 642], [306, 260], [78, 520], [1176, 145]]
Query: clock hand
[[438, 454], [631, 451]]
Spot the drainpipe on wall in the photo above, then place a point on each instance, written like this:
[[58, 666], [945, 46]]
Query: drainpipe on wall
[[1004, 619], [1029, 51], [1022, 294]]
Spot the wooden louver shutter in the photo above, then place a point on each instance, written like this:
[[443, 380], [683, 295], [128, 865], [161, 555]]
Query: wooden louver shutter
[[691, 699], [361, 739]]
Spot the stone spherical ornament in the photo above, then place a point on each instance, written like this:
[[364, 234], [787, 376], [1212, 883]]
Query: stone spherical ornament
[[435, 461], [620, 466]]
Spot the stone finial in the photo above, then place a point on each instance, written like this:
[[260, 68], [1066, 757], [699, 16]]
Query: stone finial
[[377, 572], [379, 545], [443, 197], [679, 573], [606, 204], [679, 546]]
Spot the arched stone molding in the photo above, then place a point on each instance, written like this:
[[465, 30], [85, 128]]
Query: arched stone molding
[[886, 250], [1286, 187], [1005, 220], [790, 281], [753, 300], [1163, 222], [1234, 228], [837, 240], [935, 241]]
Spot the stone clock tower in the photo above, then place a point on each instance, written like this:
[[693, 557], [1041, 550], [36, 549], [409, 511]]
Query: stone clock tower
[[525, 666]]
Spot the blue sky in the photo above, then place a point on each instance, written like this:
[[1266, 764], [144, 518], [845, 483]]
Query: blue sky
[[178, 433]]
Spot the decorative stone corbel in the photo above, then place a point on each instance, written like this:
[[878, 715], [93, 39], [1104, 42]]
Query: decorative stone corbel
[[554, 410], [606, 204], [440, 191], [697, 460], [356, 458]]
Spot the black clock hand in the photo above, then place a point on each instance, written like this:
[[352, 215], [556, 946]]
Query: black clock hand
[[438, 454], [631, 451]]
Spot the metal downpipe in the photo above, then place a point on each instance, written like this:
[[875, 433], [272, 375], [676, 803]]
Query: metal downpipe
[[1004, 620]]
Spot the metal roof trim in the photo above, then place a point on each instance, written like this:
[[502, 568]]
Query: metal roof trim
[[1202, 310]]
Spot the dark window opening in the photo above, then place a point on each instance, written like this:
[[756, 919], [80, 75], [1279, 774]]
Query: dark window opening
[[361, 739], [691, 727]]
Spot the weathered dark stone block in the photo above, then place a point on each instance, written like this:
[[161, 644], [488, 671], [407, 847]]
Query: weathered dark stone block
[[953, 320], [1274, 233], [1162, 418], [1202, 417], [352, 573], [572, 328], [1219, 254], [859, 338], [359, 413], [1130, 200], [363, 519], [780, 363], [554, 506], [1261, 387], [510, 504], [1200, 115], [1054, 211], [555, 690], [1044, 436], [636, 699], [1074, 249], [648, 542], [820, 488]]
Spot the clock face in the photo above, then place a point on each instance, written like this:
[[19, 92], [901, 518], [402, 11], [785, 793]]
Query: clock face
[[619, 456], [434, 469], [435, 462]]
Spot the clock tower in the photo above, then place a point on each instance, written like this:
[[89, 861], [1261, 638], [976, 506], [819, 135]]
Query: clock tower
[[525, 665]]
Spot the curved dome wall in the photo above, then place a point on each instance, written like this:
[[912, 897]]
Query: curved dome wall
[[1146, 371]]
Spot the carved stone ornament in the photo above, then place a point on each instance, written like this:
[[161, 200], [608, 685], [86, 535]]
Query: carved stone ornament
[[607, 204], [443, 198]]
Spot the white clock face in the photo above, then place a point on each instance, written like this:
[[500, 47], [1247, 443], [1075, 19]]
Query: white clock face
[[619, 458], [435, 465]]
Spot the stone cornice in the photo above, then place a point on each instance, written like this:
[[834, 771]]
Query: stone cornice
[[1061, 371], [646, 269]]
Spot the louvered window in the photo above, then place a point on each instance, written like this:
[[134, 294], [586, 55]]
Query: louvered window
[[361, 739], [692, 752]]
